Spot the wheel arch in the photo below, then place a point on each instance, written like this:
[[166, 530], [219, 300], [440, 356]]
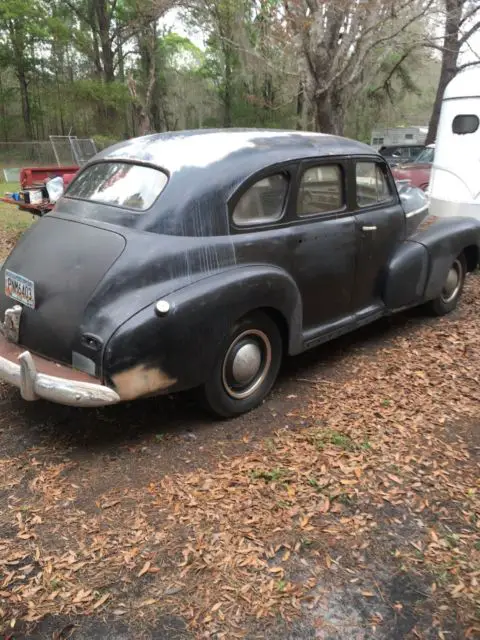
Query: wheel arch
[[280, 320], [472, 256]]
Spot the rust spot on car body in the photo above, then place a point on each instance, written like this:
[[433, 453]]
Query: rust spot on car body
[[141, 381], [427, 222]]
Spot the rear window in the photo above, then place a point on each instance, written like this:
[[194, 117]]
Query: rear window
[[121, 184]]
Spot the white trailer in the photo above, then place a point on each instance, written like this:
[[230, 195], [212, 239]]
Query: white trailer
[[398, 135], [455, 180]]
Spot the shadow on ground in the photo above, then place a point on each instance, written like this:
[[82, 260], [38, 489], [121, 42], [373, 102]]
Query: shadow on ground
[[104, 430]]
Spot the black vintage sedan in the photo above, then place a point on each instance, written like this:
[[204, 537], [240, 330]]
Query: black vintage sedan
[[200, 258]]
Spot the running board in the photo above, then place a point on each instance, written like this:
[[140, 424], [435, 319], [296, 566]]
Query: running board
[[314, 337]]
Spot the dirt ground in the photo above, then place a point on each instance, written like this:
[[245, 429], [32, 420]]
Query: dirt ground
[[346, 507]]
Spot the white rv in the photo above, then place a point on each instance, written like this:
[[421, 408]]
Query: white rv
[[398, 136], [455, 180]]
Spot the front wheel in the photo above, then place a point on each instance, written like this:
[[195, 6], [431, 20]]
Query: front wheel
[[246, 368], [452, 288]]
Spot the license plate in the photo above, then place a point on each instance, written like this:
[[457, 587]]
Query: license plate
[[20, 288]]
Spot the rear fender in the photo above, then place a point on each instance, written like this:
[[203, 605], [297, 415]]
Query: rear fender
[[177, 351]]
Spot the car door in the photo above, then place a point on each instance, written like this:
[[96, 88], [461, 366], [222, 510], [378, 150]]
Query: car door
[[322, 242], [380, 227]]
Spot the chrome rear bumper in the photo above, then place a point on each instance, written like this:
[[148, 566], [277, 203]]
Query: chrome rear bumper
[[69, 391]]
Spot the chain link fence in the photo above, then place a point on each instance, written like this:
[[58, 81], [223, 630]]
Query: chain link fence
[[58, 150]]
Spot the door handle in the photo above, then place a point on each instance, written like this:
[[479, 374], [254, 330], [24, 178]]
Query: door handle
[[373, 228]]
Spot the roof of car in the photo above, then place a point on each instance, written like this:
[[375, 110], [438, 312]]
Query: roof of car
[[207, 166], [201, 148]]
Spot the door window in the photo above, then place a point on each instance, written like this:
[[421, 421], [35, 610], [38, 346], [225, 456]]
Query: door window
[[372, 184], [263, 202], [321, 190]]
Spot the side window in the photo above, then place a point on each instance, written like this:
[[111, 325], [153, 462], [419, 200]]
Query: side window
[[263, 202], [372, 184], [463, 124], [321, 190]]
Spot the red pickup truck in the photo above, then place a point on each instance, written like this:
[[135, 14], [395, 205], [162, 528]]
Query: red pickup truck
[[418, 172], [35, 179], [31, 177]]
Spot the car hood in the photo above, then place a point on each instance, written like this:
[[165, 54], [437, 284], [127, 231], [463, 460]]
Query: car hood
[[412, 167]]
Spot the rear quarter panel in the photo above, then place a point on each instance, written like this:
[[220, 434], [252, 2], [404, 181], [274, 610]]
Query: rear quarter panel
[[178, 351]]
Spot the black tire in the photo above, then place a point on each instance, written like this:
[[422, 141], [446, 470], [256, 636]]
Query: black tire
[[256, 335], [448, 299]]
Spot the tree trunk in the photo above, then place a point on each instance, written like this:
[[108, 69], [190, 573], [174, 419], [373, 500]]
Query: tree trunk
[[26, 111], [228, 89], [4, 111], [121, 77], [300, 107], [17, 36], [451, 50], [107, 57], [104, 23], [329, 114]]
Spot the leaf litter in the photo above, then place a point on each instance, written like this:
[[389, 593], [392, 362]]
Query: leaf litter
[[384, 460]]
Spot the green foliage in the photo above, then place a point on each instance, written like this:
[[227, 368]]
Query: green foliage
[[63, 70], [88, 91]]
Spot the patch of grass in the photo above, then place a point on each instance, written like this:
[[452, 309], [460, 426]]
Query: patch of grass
[[270, 445], [13, 222], [452, 540], [348, 500], [314, 483], [12, 219], [270, 476], [322, 439], [281, 584], [443, 572]]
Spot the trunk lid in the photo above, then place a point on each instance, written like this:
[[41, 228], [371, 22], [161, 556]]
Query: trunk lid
[[66, 261]]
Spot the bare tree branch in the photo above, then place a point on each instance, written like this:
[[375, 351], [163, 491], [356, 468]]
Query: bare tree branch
[[465, 65], [469, 33], [469, 15]]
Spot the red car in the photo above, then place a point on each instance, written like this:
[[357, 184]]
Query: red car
[[418, 173]]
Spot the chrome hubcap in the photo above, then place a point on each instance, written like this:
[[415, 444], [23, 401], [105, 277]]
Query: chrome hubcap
[[246, 363], [453, 282]]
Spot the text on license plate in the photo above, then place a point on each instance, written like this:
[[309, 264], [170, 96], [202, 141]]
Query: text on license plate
[[20, 288]]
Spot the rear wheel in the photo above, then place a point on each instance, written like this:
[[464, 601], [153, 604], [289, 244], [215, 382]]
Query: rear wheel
[[246, 368], [452, 288]]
